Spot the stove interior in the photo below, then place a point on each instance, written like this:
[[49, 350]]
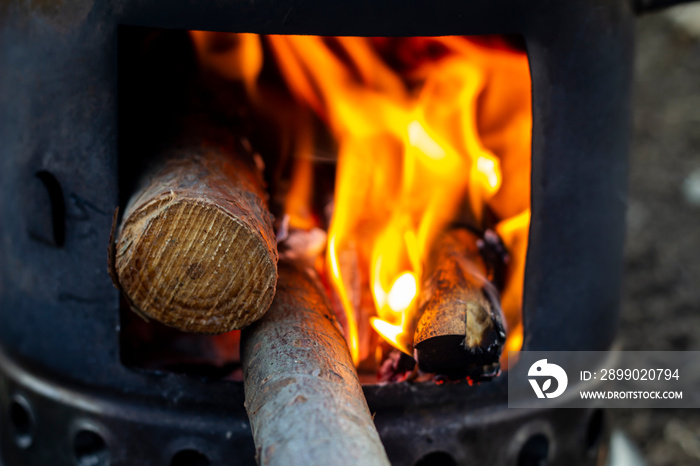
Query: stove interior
[[385, 159]]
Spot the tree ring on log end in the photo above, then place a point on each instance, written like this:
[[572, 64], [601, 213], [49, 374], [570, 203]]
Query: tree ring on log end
[[205, 270]]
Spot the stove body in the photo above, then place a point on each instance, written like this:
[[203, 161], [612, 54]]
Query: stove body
[[65, 397]]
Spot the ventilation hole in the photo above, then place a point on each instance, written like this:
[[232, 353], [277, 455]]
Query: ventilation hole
[[437, 458], [90, 449], [534, 452], [594, 431], [22, 422], [58, 206], [189, 458]]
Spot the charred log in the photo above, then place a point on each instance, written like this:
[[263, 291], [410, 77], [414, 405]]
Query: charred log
[[302, 392], [460, 332], [196, 248]]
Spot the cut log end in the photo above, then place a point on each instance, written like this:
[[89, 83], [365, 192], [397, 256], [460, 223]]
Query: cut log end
[[447, 355], [206, 271], [196, 249], [460, 332]]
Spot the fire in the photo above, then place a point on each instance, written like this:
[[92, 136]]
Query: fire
[[430, 131], [402, 292]]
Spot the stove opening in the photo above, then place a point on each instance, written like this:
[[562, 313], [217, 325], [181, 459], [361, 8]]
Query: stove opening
[[396, 168]]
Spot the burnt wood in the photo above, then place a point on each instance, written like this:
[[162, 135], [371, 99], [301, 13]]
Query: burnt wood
[[460, 332]]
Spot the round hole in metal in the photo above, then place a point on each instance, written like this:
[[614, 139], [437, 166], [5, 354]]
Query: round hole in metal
[[22, 421], [436, 458], [90, 449], [534, 452], [190, 457]]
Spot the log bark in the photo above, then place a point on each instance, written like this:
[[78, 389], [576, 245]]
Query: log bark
[[302, 393], [460, 332], [196, 248]]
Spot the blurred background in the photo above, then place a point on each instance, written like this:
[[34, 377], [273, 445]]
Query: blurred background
[[661, 291]]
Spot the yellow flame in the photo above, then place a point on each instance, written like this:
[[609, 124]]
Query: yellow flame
[[514, 232], [438, 133], [402, 292], [353, 338], [388, 331], [406, 158], [489, 168], [421, 140], [515, 343]]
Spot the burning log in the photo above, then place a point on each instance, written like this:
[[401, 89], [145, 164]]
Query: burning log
[[460, 332], [302, 393], [196, 248]]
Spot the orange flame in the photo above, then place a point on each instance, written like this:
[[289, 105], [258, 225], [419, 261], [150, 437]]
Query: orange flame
[[407, 157], [236, 57], [430, 131]]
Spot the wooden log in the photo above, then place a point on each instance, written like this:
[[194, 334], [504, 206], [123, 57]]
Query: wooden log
[[302, 393], [196, 248], [460, 332]]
